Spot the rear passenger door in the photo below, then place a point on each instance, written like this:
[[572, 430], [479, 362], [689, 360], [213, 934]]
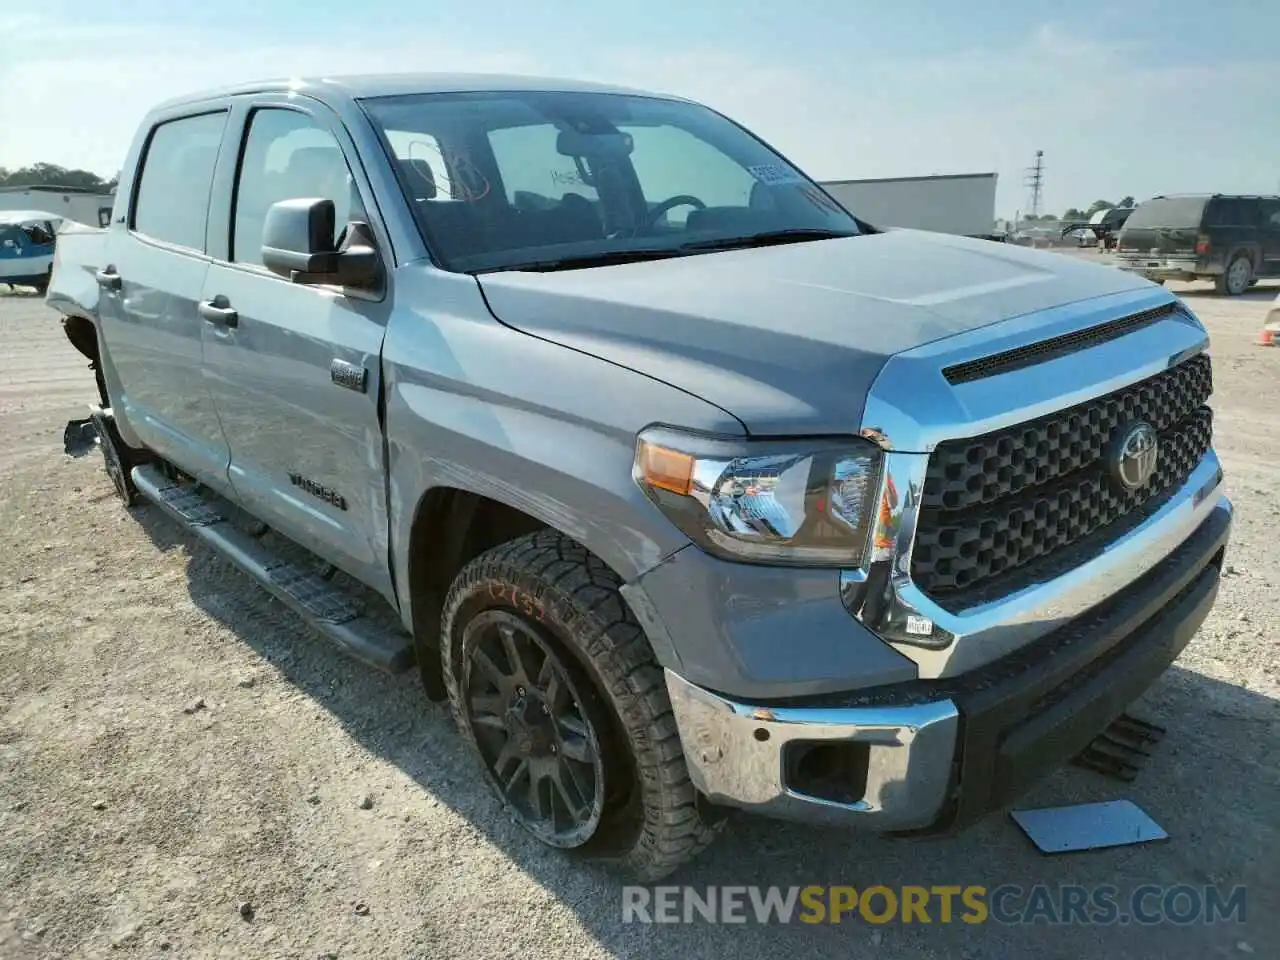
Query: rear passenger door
[[295, 371], [1271, 238], [150, 287]]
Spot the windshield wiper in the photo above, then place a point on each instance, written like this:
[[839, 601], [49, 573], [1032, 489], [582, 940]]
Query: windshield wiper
[[607, 258], [603, 259], [767, 238]]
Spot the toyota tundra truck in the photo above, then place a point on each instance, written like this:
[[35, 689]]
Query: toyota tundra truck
[[685, 487]]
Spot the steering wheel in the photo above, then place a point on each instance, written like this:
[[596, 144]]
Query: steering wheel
[[679, 200]]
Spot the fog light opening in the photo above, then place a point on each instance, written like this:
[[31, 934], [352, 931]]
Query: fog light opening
[[836, 772]]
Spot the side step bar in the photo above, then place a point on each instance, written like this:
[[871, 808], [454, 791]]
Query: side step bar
[[328, 609], [1120, 751]]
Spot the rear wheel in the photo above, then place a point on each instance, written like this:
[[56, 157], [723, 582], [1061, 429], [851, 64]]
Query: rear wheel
[[556, 689], [118, 458], [1235, 280]]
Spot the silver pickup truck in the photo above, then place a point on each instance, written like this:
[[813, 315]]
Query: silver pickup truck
[[688, 489]]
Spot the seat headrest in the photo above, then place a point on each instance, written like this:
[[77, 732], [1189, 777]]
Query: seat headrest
[[420, 178]]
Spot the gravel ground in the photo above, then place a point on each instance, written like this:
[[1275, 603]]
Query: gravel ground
[[186, 771]]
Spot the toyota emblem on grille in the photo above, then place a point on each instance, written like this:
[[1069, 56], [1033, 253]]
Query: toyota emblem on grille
[[1133, 455]]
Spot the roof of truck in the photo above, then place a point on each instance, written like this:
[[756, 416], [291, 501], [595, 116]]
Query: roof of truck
[[362, 86]]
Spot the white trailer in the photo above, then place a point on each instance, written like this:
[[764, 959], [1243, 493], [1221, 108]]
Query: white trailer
[[958, 203], [68, 203]]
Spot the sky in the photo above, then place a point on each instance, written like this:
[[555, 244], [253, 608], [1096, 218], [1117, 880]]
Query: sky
[[1138, 97]]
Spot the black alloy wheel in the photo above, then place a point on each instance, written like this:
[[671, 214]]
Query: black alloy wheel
[[535, 731]]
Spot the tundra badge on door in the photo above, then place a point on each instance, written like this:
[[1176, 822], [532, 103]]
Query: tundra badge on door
[[349, 375], [318, 490]]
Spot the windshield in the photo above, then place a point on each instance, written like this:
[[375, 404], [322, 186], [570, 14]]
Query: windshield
[[1168, 212], [546, 180]]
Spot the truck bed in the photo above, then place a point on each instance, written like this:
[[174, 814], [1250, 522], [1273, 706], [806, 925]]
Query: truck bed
[[79, 254]]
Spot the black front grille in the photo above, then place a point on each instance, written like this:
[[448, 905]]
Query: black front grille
[[999, 509]]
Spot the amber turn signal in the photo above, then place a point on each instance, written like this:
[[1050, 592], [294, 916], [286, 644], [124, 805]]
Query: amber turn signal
[[666, 469]]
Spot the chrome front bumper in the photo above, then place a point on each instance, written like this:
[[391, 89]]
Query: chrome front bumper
[[940, 753], [735, 755]]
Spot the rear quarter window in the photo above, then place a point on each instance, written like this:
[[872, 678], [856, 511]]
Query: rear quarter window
[[1168, 212], [172, 198]]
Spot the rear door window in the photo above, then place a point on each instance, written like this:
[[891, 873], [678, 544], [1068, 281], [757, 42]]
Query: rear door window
[[1232, 212], [172, 199]]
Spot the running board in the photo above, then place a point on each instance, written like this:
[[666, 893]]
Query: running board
[[327, 608]]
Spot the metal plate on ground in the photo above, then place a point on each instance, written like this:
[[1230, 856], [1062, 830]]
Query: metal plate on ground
[[1088, 826]]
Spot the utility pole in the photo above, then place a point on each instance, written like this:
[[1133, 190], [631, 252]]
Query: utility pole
[[1034, 181]]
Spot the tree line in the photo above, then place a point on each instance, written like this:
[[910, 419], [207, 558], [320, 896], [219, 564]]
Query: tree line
[[52, 175]]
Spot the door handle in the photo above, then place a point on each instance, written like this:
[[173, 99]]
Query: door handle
[[108, 279], [219, 311]]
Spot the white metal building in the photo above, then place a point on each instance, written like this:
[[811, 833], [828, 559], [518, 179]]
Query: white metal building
[[959, 203], [70, 203]]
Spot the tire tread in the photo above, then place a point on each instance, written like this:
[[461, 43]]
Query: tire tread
[[581, 595]]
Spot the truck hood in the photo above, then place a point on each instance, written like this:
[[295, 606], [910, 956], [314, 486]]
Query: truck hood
[[789, 338]]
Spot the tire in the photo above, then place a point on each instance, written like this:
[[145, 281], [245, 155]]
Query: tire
[[555, 599], [1235, 279], [118, 458]]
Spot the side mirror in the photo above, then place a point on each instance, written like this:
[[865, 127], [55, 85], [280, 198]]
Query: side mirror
[[298, 243]]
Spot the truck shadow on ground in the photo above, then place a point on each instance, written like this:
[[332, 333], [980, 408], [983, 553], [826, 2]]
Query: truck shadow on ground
[[1222, 742]]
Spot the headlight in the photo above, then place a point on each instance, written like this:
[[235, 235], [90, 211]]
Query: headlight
[[804, 503]]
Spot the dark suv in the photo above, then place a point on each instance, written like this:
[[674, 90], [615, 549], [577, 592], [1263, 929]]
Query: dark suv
[[1231, 240]]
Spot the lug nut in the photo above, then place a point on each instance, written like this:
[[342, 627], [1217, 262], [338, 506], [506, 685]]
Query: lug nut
[[546, 710], [519, 691]]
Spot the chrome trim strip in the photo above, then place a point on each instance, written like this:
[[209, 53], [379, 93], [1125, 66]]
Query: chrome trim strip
[[884, 598], [735, 754], [912, 407]]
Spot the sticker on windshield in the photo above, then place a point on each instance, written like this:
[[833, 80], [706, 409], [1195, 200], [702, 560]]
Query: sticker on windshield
[[775, 175]]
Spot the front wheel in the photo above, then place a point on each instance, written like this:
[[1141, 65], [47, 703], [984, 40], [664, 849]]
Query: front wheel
[[556, 690]]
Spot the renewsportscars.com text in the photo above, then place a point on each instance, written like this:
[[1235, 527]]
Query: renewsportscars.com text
[[1103, 905]]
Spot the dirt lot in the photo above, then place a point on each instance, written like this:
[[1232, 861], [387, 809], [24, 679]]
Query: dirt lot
[[173, 744]]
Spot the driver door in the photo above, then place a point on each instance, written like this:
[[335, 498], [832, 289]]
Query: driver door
[[294, 370]]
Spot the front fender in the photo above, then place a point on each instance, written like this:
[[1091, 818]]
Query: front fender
[[477, 406]]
